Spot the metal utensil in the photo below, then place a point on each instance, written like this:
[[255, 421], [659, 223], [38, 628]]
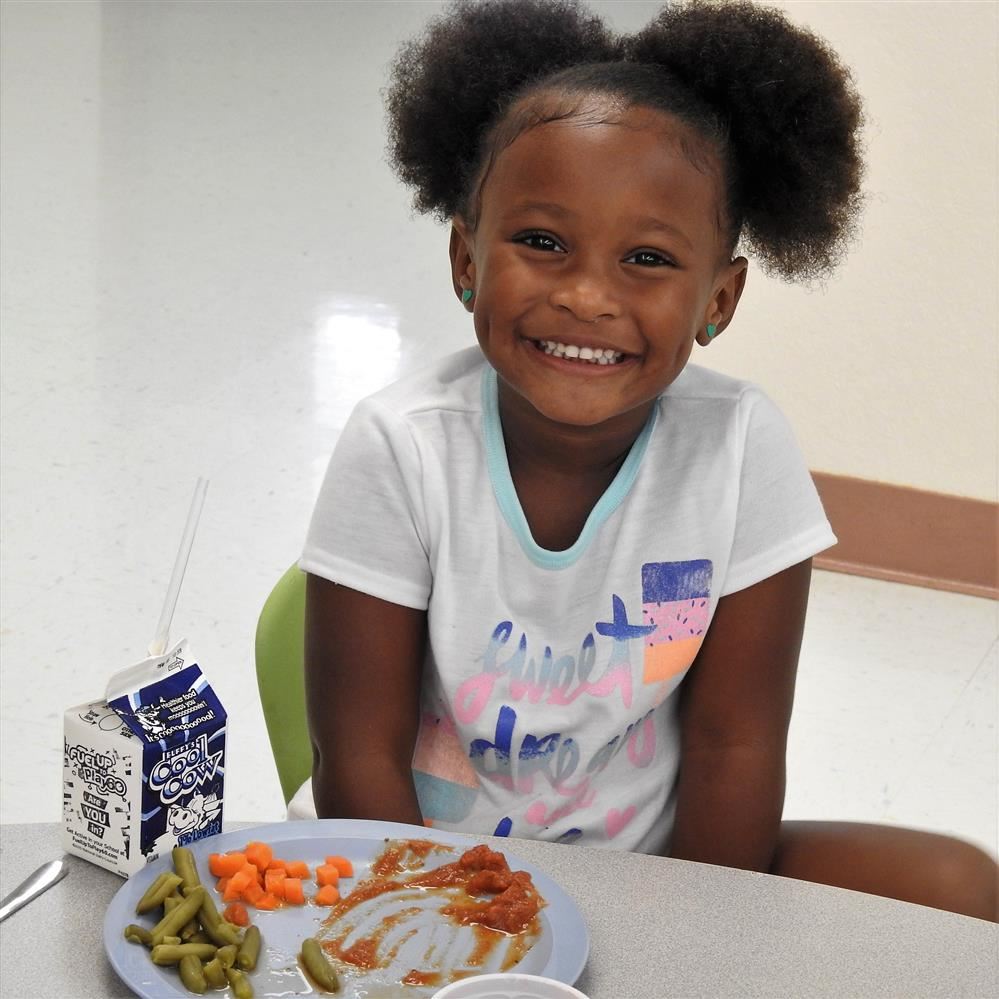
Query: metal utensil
[[42, 879]]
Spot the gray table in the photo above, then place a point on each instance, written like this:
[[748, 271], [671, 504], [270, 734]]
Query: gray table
[[659, 929]]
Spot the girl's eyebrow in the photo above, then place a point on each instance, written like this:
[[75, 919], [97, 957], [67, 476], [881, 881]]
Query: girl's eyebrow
[[560, 211]]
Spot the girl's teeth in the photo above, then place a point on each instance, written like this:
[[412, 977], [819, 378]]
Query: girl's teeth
[[593, 355]]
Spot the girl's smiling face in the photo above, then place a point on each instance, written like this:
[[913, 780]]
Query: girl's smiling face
[[600, 236]]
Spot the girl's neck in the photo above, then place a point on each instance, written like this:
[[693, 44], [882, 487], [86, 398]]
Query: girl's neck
[[536, 444]]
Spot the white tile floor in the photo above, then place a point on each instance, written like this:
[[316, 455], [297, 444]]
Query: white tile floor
[[206, 262]]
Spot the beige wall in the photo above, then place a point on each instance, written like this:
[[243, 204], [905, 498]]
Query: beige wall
[[891, 371]]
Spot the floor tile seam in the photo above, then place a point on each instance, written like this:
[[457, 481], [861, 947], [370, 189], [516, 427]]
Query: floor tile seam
[[984, 661], [10, 410], [917, 766]]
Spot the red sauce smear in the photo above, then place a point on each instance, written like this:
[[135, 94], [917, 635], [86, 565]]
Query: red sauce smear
[[479, 890], [390, 861], [422, 978], [481, 871]]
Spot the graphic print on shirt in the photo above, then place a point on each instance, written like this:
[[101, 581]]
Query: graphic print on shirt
[[676, 602], [446, 782], [544, 766]]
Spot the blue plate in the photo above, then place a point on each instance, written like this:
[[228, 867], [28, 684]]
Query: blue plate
[[560, 952]]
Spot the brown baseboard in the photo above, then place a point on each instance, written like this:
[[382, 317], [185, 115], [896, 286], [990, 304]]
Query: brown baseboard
[[911, 536]]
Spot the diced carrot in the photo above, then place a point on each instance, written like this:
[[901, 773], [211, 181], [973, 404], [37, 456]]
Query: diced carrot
[[236, 914], [253, 893], [267, 901], [240, 879], [327, 895], [221, 885], [327, 874], [259, 854], [251, 873], [224, 865], [277, 865], [274, 883], [234, 890], [293, 891], [343, 865], [298, 869]]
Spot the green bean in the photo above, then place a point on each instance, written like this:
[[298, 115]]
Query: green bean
[[215, 974], [172, 922], [172, 953], [241, 987], [249, 949], [223, 934], [171, 940], [191, 975], [199, 937], [190, 928], [220, 932], [227, 955], [156, 892], [138, 934], [318, 967], [184, 865]]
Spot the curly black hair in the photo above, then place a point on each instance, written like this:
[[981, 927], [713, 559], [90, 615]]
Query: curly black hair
[[771, 100]]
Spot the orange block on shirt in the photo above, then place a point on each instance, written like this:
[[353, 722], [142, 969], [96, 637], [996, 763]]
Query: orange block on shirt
[[665, 659]]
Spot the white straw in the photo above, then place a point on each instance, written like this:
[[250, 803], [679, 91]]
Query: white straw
[[158, 645]]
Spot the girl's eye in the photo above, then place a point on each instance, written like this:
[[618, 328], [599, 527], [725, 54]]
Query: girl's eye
[[549, 244], [649, 258], [539, 241]]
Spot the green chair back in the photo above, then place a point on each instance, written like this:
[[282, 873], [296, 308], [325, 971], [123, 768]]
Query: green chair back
[[280, 660]]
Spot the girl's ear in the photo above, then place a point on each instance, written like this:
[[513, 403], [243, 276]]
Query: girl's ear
[[721, 307], [462, 262]]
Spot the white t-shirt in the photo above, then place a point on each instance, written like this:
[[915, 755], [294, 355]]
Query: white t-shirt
[[551, 680]]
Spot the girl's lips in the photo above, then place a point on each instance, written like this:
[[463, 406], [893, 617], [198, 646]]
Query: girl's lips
[[576, 367]]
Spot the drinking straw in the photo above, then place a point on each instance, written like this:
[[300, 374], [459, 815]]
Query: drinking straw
[[158, 645]]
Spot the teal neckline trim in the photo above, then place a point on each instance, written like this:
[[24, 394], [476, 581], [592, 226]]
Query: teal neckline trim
[[506, 495]]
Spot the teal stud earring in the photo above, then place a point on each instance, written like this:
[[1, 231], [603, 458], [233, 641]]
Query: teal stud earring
[[466, 295], [712, 329]]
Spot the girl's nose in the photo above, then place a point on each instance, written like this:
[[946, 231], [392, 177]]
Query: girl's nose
[[587, 294]]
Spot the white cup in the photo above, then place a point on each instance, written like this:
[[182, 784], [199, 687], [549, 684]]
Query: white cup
[[508, 987]]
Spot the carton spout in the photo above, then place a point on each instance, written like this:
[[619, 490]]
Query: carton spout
[[142, 674]]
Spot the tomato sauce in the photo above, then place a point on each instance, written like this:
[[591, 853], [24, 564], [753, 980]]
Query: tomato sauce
[[477, 891], [402, 855], [422, 978]]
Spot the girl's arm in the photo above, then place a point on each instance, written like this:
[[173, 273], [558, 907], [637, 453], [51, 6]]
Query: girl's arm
[[363, 663], [735, 711]]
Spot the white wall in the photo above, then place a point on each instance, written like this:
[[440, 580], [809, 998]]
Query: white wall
[[891, 371]]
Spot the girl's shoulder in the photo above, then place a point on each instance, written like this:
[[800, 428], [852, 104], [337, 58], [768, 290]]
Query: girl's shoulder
[[695, 383], [704, 407]]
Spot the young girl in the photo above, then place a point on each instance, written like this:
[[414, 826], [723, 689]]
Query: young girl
[[557, 581]]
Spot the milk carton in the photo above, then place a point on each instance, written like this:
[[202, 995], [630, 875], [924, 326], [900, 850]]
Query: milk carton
[[143, 769]]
